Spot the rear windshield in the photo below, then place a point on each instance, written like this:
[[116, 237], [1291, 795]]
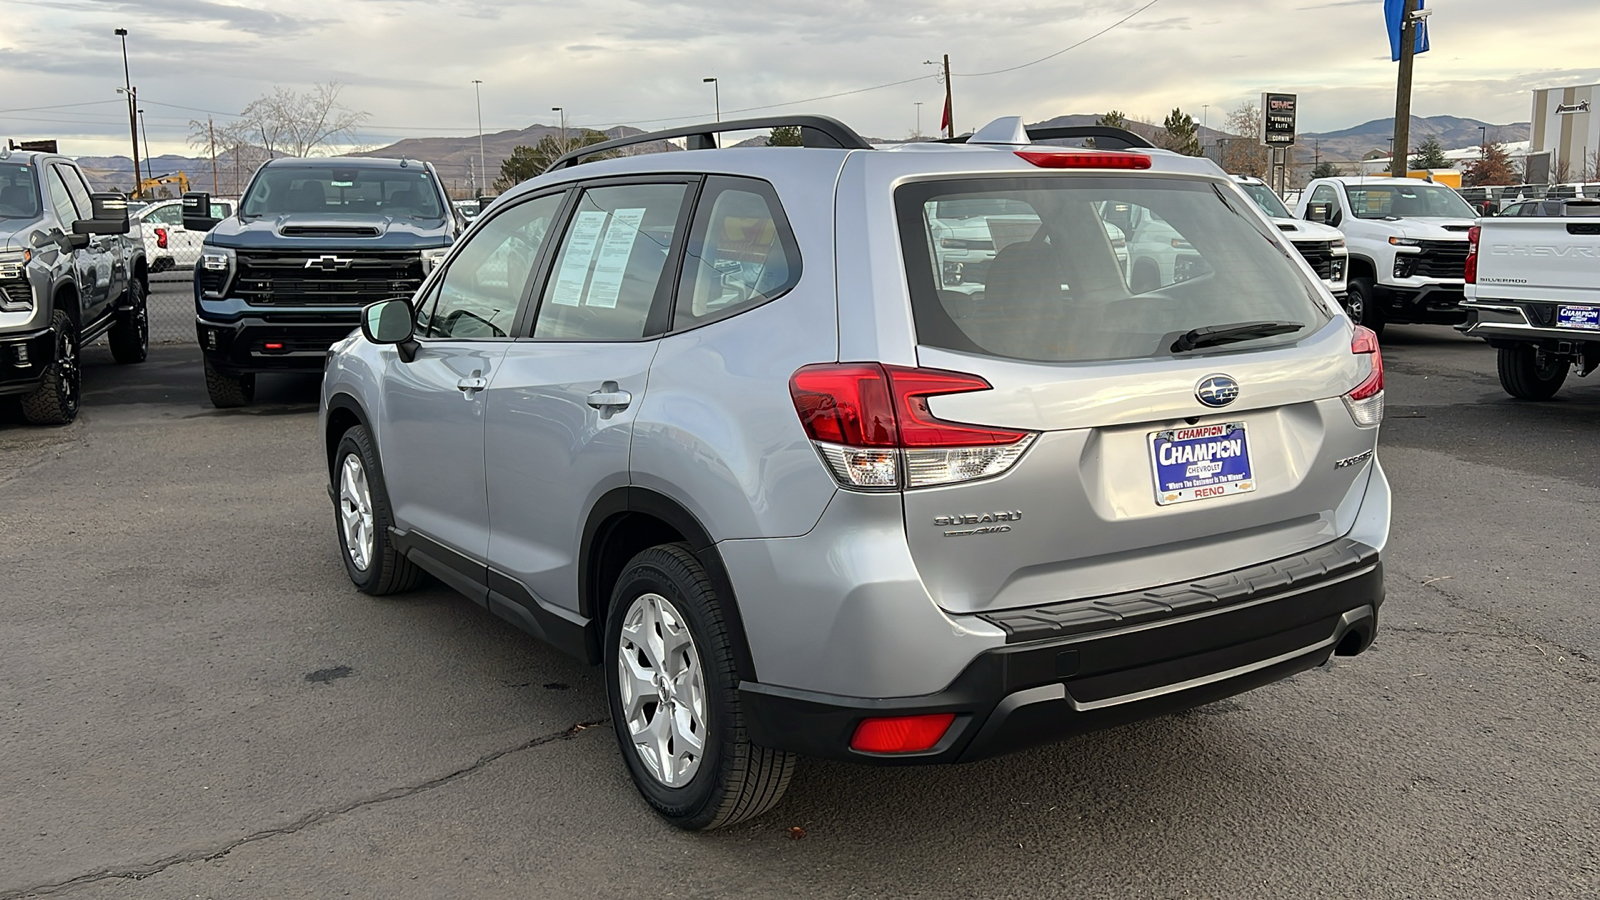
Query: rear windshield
[[403, 193], [1094, 268], [1404, 201], [19, 192]]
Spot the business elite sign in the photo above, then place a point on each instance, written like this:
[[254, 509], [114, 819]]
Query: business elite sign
[[1277, 119]]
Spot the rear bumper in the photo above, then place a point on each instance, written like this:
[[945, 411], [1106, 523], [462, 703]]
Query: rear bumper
[[23, 360], [1110, 661], [240, 345], [1520, 322]]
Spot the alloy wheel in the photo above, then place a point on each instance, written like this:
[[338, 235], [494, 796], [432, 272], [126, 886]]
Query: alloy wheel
[[355, 511], [663, 690], [67, 373]]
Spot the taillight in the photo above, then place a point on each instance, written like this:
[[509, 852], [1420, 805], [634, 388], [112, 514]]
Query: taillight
[[872, 426], [1471, 273], [901, 734], [161, 238], [1365, 402], [1081, 159]]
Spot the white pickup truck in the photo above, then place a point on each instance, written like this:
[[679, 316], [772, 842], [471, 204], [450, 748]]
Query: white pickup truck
[[1533, 292]]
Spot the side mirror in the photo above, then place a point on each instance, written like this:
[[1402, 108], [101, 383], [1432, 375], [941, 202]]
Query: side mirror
[[197, 212], [1320, 211], [389, 322], [109, 215]]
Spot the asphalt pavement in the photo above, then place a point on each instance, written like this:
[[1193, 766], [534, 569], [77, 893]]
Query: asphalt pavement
[[197, 704]]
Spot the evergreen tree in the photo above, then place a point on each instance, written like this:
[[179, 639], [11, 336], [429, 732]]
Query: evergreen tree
[[785, 136], [1326, 170], [1180, 133], [1430, 156]]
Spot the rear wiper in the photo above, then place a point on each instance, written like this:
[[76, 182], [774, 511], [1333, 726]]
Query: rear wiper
[[1212, 335]]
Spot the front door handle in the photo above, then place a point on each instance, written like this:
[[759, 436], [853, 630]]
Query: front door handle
[[470, 386], [610, 397]]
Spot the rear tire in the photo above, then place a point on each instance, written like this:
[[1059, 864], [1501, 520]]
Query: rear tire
[[362, 519], [55, 401], [1361, 305], [1527, 374], [666, 626], [229, 390], [130, 336]]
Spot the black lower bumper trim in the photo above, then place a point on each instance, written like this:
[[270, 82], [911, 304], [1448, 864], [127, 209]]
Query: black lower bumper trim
[[23, 360], [272, 344], [1022, 695]]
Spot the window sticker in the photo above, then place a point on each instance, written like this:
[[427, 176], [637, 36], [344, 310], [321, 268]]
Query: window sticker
[[580, 252], [615, 251]]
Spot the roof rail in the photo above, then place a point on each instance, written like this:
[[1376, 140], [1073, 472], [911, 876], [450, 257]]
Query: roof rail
[[1122, 138], [815, 131]]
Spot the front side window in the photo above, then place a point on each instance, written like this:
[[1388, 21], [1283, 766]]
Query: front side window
[[19, 192], [62, 198], [609, 273], [78, 190], [1103, 267], [480, 292], [740, 254], [406, 193], [1405, 201], [166, 215]]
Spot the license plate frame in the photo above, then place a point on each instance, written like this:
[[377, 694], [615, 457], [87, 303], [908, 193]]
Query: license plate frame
[[1184, 475], [1581, 318]]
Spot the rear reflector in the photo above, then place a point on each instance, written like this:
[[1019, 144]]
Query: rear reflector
[[1081, 159], [870, 422], [901, 734], [1365, 402]]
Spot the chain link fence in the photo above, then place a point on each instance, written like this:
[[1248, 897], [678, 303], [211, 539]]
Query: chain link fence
[[171, 306]]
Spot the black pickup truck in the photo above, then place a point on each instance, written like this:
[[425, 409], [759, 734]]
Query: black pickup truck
[[313, 241], [70, 272]]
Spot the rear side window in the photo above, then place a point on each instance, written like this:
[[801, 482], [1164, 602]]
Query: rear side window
[[1094, 268], [741, 252], [609, 273]]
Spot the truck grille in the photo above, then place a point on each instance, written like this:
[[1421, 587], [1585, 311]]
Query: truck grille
[[1320, 255], [342, 278], [1438, 259]]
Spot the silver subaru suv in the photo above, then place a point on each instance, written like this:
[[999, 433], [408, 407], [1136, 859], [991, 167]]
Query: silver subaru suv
[[717, 422]]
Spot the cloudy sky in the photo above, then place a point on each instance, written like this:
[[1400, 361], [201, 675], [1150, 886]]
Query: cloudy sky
[[410, 63]]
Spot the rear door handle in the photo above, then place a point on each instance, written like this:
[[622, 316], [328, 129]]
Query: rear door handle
[[610, 397]]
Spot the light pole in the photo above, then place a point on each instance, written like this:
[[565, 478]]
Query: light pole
[[148, 159], [478, 96], [1483, 142], [1205, 115], [563, 112], [133, 105], [918, 105], [716, 94]]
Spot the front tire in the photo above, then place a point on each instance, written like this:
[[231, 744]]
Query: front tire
[[363, 517], [130, 336], [674, 697], [229, 390], [1361, 304], [55, 401], [1527, 374]]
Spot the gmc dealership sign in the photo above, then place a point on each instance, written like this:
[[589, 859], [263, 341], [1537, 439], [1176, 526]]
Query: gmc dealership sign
[[1277, 119]]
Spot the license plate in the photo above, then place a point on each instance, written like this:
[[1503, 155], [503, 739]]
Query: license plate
[[1201, 462], [1586, 318]]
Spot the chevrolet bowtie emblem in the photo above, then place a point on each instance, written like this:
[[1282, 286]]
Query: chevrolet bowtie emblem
[[328, 263]]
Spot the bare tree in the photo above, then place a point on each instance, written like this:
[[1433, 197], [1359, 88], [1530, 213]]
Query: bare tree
[[1493, 168], [238, 147], [1560, 171], [291, 123], [1244, 155]]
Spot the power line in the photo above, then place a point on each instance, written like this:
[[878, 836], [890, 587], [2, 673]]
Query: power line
[[59, 106], [1062, 50]]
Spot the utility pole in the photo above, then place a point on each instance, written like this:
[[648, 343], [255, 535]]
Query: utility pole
[[133, 105], [485, 163], [716, 94], [918, 105], [1398, 158], [148, 159], [212, 128]]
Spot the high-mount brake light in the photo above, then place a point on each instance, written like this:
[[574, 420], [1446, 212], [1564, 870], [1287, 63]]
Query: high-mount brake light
[[901, 734], [1079, 159], [1472, 254], [873, 428], [1365, 402]]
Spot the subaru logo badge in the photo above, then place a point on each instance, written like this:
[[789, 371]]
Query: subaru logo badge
[[1217, 390]]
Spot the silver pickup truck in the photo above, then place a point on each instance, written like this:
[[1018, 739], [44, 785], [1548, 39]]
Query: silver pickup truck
[[1533, 292]]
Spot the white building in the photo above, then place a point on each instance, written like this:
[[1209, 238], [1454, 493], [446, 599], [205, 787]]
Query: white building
[[1565, 128], [1517, 150]]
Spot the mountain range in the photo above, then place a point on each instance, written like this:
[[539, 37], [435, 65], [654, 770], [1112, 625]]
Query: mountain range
[[457, 157]]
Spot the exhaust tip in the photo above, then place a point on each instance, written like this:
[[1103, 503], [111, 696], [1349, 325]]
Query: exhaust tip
[[1354, 642]]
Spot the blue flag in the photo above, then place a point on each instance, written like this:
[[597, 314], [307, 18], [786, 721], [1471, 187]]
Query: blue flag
[[1392, 10]]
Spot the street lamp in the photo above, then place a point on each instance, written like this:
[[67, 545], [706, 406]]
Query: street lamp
[[478, 95], [716, 94], [918, 104], [563, 112], [1483, 142], [133, 105]]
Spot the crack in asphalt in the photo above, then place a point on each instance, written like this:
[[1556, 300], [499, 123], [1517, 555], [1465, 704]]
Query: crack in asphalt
[[145, 870], [1509, 627]]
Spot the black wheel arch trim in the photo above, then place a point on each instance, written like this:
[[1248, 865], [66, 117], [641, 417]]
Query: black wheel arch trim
[[607, 510]]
